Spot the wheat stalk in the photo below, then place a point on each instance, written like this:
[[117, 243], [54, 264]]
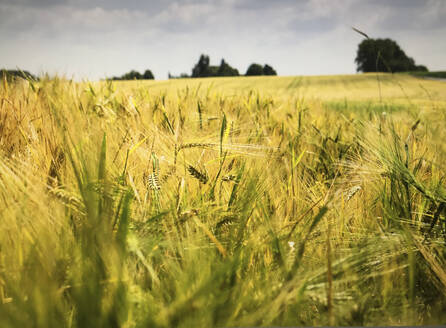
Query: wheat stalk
[[352, 192], [152, 180], [200, 176], [195, 145]]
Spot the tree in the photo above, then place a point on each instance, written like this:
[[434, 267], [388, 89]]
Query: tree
[[226, 70], [201, 69], [181, 76], [254, 69], [421, 68], [132, 75], [257, 69], [204, 69], [268, 70], [135, 75], [383, 55], [148, 75]]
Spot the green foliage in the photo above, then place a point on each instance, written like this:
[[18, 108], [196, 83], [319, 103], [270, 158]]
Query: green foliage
[[181, 76], [135, 75], [225, 70], [204, 69], [148, 75], [257, 69], [201, 69], [268, 70], [132, 75], [383, 55], [254, 69]]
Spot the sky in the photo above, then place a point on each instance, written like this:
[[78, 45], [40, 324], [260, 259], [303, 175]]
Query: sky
[[94, 39]]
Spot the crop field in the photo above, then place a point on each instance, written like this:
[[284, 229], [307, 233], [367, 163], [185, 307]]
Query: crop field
[[248, 201]]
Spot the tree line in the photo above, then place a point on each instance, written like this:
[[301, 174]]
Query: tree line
[[373, 55], [135, 75], [203, 68]]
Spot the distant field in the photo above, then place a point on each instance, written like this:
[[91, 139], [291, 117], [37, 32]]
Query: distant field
[[260, 201], [396, 87]]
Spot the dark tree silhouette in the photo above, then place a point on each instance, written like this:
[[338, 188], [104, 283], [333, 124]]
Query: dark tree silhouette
[[268, 70], [384, 55], [225, 70], [254, 69], [204, 69], [135, 75], [257, 69], [132, 75], [201, 69], [148, 75]]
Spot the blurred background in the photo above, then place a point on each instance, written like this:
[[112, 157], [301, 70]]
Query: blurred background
[[95, 39]]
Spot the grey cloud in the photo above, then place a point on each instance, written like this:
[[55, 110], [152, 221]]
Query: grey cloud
[[426, 18], [152, 6], [34, 3], [400, 15], [267, 4], [316, 25], [398, 3], [201, 16]]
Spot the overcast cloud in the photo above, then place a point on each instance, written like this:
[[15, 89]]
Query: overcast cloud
[[98, 38]]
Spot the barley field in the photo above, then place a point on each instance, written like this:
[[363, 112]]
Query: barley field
[[248, 201]]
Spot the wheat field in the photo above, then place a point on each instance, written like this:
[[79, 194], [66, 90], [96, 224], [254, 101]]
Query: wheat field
[[260, 201]]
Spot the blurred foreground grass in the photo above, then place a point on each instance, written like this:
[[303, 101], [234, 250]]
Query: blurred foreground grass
[[223, 202]]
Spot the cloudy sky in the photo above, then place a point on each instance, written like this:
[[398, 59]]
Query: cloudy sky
[[98, 38]]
